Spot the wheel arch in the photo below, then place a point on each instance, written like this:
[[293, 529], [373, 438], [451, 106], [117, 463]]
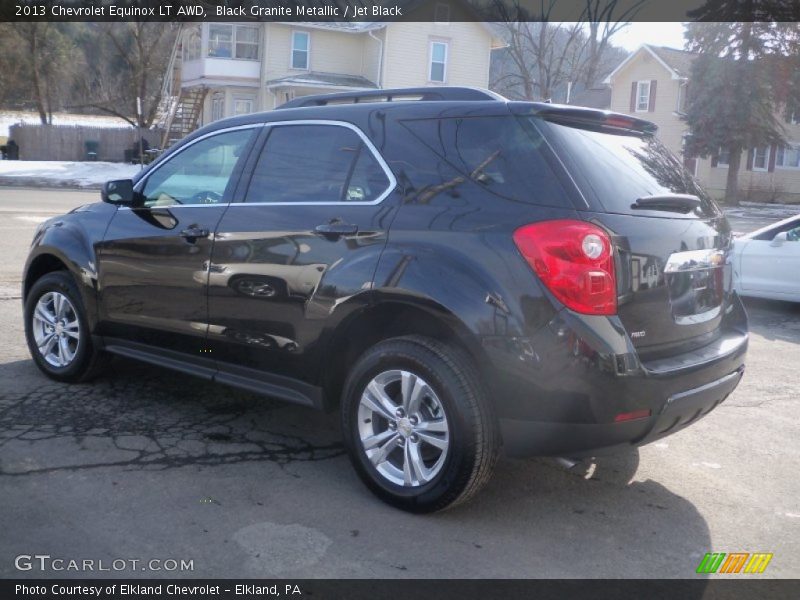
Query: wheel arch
[[390, 317]]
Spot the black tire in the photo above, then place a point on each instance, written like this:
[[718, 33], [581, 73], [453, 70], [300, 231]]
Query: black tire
[[474, 440], [88, 361]]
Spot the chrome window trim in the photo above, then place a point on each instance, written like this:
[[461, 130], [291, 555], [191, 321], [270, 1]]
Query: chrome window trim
[[367, 142]]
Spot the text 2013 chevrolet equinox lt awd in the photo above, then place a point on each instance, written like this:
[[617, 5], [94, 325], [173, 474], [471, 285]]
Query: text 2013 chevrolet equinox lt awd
[[454, 272]]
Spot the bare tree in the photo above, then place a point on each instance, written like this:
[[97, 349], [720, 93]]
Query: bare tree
[[132, 64], [47, 59], [542, 56], [602, 24]]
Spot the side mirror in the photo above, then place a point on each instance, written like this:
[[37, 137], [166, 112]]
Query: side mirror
[[779, 239], [119, 192]]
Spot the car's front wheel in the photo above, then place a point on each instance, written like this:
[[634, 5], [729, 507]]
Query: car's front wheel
[[418, 427], [57, 330]]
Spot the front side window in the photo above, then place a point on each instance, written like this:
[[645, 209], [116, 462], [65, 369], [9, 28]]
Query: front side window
[[300, 49], [643, 96], [438, 67], [220, 41], [316, 163], [761, 158], [788, 157], [200, 174]]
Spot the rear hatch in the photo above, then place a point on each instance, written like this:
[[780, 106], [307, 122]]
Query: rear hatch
[[670, 239]]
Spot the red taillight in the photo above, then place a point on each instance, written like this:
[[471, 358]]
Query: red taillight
[[574, 260]]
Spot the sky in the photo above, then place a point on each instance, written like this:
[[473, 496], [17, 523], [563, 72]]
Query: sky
[[657, 34]]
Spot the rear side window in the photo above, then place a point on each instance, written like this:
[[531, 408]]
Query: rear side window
[[316, 163], [499, 154], [618, 168]]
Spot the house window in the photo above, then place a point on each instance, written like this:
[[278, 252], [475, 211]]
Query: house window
[[246, 42], [441, 14], [438, 68], [243, 105], [192, 47], [220, 41], [642, 96], [301, 42], [683, 97], [229, 41], [218, 106], [761, 158], [723, 157], [788, 157]]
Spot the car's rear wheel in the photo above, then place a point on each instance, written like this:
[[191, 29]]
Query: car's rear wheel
[[417, 424], [57, 330]]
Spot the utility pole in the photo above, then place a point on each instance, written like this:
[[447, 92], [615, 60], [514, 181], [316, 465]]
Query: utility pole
[[139, 130]]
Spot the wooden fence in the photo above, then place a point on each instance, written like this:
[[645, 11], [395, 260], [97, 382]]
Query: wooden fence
[[69, 142]]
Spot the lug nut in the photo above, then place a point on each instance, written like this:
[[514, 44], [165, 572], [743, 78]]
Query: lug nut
[[399, 413], [413, 420], [414, 438], [401, 441], [392, 425]]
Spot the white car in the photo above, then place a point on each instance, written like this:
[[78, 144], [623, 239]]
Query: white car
[[766, 262]]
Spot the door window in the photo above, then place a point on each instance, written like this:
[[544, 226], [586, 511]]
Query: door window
[[200, 174], [316, 163]]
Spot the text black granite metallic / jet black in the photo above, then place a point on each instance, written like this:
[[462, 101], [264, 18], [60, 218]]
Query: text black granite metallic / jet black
[[455, 273]]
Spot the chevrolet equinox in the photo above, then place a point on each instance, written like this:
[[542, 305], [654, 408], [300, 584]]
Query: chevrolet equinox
[[454, 272]]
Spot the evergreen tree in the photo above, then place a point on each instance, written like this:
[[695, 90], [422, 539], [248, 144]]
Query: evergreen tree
[[740, 87]]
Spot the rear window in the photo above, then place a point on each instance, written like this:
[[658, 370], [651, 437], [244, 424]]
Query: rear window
[[618, 168], [499, 154]]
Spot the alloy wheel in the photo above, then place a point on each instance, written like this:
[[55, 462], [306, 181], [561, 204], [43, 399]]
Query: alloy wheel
[[403, 428], [56, 329]]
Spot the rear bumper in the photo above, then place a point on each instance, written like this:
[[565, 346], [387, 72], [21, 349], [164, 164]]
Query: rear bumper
[[528, 438], [562, 392]]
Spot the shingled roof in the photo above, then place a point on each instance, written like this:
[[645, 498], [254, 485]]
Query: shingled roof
[[679, 61]]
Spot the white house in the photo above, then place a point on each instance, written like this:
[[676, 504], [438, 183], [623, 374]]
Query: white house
[[653, 83], [226, 69]]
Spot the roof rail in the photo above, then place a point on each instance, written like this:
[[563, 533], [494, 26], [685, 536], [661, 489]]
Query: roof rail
[[439, 94]]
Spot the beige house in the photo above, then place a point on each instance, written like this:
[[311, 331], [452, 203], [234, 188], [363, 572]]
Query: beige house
[[652, 83], [226, 69]]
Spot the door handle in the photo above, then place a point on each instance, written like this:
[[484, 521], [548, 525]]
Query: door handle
[[191, 233], [336, 228]]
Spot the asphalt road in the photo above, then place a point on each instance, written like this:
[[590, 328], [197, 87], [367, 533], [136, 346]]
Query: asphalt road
[[148, 464]]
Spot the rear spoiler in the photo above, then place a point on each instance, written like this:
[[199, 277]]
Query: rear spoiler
[[578, 116]]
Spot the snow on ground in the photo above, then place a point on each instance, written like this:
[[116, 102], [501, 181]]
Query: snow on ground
[[9, 118], [56, 173], [760, 210]]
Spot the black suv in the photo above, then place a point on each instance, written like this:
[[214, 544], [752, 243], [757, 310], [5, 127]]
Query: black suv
[[454, 272]]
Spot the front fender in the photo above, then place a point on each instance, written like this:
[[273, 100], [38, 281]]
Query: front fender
[[71, 239]]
